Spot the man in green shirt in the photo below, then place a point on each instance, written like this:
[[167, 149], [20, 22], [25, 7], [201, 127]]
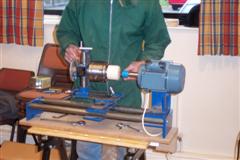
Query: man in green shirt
[[116, 30]]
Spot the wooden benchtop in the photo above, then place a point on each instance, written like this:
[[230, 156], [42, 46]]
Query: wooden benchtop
[[105, 132]]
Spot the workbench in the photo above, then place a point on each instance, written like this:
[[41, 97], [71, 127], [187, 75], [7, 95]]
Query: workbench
[[104, 132]]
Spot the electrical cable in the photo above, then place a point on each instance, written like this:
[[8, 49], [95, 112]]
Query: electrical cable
[[145, 103], [109, 40]]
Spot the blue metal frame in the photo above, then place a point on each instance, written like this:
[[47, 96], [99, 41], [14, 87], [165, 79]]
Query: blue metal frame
[[108, 104], [32, 112], [161, 101], [80, 93], [83, 93]]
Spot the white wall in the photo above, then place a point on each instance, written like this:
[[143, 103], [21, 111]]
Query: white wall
[[22, 57], [208, 109], [209, 106]]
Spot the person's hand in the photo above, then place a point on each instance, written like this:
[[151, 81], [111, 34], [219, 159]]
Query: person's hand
[[72, 52], [134, 67]]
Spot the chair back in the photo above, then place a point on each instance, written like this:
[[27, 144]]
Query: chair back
[[53, 65], [14, 80]]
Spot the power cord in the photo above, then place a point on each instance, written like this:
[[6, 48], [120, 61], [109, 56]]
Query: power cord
[[179, 139], [146, 98]]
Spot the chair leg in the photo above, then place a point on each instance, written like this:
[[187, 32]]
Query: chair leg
[[21, 134], [12, 132], [36, 141], [73, 155]]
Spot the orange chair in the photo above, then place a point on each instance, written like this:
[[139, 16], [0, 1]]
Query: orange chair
[[20, 151], [13, 81], [52, 64]]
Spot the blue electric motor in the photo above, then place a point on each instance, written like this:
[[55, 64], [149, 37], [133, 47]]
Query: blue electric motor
[[160, 76]]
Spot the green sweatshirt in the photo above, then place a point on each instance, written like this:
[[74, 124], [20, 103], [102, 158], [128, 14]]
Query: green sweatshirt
[[116, 34]]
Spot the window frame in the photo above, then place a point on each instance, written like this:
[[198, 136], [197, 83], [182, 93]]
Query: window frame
[[53, 12]]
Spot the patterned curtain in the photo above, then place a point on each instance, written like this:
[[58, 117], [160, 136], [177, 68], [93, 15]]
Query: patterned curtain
[[21, 22], [219, 28]]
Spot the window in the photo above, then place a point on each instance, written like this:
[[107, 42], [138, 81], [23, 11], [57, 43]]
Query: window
[[184, 10], [54, 6]]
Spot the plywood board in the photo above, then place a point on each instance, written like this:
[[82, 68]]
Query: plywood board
[[105, 132]]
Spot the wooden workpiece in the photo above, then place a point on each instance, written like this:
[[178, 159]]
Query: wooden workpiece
[[105, 132]]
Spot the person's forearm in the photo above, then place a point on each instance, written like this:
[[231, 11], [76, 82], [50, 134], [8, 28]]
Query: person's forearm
[[134, 67]]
